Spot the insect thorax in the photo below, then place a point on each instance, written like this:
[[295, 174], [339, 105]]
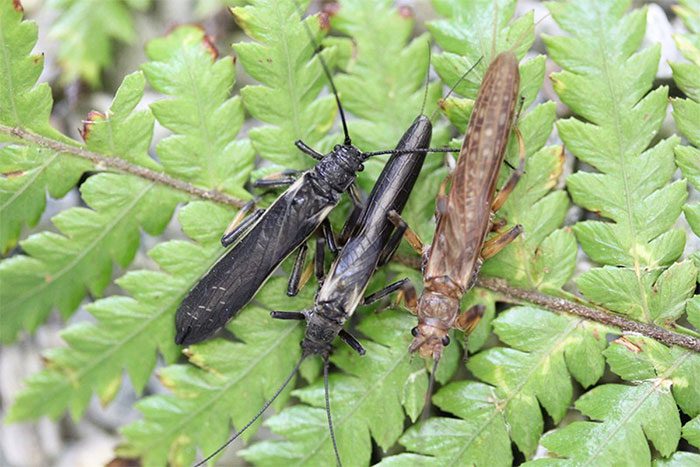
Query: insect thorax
[[323, 323], [338, 169]]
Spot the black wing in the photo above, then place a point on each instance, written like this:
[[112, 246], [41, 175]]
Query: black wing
[[233, 281]]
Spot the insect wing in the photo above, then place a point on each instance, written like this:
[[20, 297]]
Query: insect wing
[[233, 281], [352, 270], [463, 226]]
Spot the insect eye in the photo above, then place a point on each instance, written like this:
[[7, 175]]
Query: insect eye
[[361, 168], [337, 147], [446, 341], [414, 331]]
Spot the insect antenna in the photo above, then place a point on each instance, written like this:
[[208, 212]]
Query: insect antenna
[[432, 116], [427, 79], [454, 86], [429, 392], [328, 412], [258, 415], [326, 71]]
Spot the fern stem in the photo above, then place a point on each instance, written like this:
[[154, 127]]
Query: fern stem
[[559, 305], [102, 162], [562, 305]]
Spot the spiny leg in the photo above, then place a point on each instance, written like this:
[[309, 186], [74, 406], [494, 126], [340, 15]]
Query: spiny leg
[[508, 187], [279, 179], [411, 237], [407, 293], [468, 320], [441, 200], [329, 237], [309, 151], [351, 223], [241, 223], [499, 242], [351, 341], [319, 260], [293, 285], [496, 224], [392, 245], [293, 315]]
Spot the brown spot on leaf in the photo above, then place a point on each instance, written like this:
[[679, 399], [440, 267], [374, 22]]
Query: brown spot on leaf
[[406, 12], [36, 59], [92, 117], [48, 279], [18, 6], [13, 174], [123, 462], [626, 343], [328, 11], [324, 21], [210, 46]]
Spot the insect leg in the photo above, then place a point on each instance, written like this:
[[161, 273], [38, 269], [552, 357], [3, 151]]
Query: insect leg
[[411, 237], [351, 341], [499, 242], [496, 224], [239, 225], [467, 320], [329, 237], [306, 275], [309, 151], [407, 293], [391, 246], [441, 201], [284, 178], [294, 315], [351, 223], [316, 266], [319, 261], [293, 285], [508, 187]]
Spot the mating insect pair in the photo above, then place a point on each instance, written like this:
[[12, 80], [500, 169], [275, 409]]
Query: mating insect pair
[[265, 238]]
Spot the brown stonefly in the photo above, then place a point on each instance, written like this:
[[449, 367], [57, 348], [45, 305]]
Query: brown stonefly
[[465, 215]]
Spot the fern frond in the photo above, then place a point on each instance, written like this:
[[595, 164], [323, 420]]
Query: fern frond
[[27, 173], [384, 89], [686, 111], [282, 59], [232, 382], [546, 351], [368, 401], [58, 269], [203, 118], [86, 31], [611, 89], [625, 416], [132, 330]]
